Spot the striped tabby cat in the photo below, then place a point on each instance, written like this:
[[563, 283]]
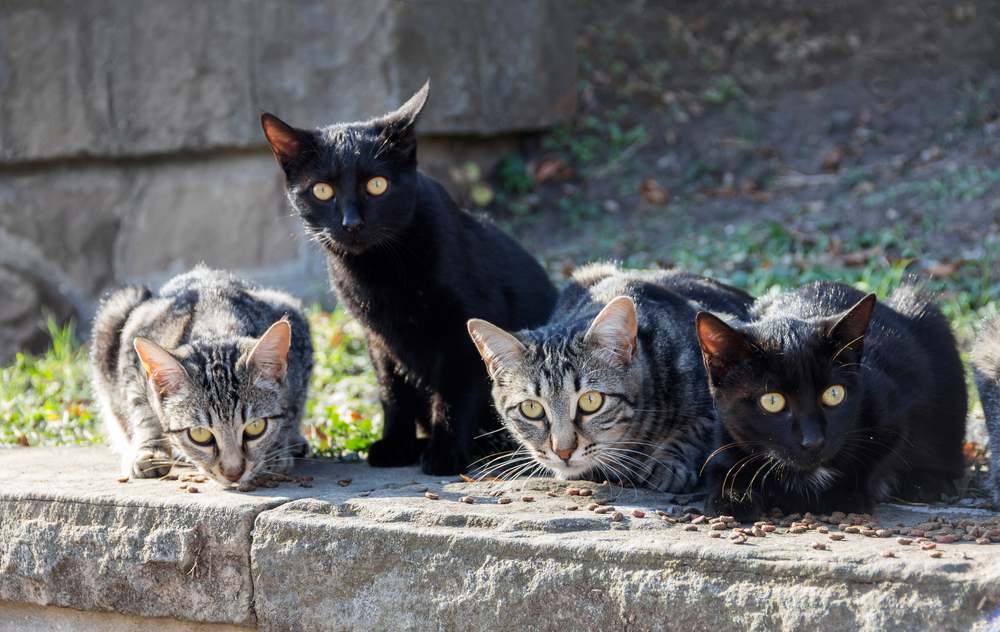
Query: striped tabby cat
[[210, 370], [613, 387], [986, 368]]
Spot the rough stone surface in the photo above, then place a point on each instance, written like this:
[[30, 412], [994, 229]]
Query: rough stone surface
[[19, 617], [107, 78], [366, 549]]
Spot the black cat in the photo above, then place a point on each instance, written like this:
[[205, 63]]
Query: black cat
[[413, 268], [830, 401]]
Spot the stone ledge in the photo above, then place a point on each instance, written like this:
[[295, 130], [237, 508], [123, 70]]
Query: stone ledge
[[374, 553]]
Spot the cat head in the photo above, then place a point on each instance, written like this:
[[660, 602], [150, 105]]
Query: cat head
[[788, 387], [566, 394], [221, 405], [353, 184]]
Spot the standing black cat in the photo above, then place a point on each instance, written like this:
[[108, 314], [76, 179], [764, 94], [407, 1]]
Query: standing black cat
[[831, 401], [413, 268]]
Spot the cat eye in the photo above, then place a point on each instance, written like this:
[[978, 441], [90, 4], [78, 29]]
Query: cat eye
[[532, 409], [833, 395], [590, 402], [201, 435], [322, 191], [772, 402], [377, 186], [255, 429]]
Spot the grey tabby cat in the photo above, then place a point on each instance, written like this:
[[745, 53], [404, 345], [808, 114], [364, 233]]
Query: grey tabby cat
[[613, 387], [210, 370], [986, 368]]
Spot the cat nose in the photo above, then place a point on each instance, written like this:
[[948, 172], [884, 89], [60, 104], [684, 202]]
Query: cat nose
[[813, 443], [352, 220], [564, 454], [233, 474]]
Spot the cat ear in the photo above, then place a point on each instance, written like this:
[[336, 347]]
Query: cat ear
[[399, 127], [616, 329], [500, 350], [286, 142], [848, 330], [722, 347], [270, 355], [164, 372]]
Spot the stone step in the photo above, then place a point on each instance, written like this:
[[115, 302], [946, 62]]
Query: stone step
[[367, 549]]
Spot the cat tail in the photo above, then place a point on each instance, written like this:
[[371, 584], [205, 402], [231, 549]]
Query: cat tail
[[986, 370], [106, 333]]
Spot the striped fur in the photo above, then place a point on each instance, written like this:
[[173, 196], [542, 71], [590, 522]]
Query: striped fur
[[657, 419], [986, 368], [209, 322]]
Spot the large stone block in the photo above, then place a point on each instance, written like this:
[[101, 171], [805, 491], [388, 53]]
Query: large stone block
[[111, 78], [107, 224]]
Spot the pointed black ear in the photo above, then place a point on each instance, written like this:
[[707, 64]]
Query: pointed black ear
[[399, 127], [722, 347], [848, 330], [288, 143]]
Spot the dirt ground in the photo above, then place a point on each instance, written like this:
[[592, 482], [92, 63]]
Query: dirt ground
[[846, 119]]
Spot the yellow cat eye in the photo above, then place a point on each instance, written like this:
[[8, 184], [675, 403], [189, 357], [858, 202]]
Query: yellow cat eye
[[255, 428], [322, 191], [532, 409], [833, 395], [772, 402], [377, 186], [591, 402], [201, 435]]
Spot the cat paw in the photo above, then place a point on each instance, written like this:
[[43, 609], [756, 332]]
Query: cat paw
[[385, 453], [438, 460], [719, 505], [151, 463]]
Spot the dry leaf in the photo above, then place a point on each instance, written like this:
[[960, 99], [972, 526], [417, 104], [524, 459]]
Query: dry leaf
[[552, 170], [653, 192]]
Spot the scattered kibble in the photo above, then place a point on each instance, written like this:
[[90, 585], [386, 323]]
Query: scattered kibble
[[982, 540], [572, 507], [431, 496], [551, 494], [344, 482], [617, 516], [927, 546], [586, 492], [715, 534], [593, 506], [690, 527], [192, 489], [888, 553], [836, 537], [528, 499], [468, 500], [638, 513], [572, 491], [819, 546], [122, 479], [935, 554], [504, 500], [797, 530], [904, 541]]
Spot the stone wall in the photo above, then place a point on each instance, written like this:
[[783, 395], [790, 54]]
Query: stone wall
[[130, 145]]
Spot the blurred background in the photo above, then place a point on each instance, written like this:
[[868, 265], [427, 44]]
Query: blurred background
[[766, 142]]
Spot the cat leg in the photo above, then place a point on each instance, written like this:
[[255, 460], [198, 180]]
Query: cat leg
[[150, 454], [402, 405], [728, 496], [455, 414]]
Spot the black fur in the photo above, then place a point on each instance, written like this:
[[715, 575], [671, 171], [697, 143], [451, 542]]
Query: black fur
[[898, 430], [413, 268]]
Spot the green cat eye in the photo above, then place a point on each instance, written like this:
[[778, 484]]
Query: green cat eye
[[201, 435], [590, 402], [772, 402], [255, 429], [322, 191], [531, 409]]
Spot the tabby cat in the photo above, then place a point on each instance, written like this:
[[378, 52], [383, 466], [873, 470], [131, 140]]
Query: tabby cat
[[210, 370], [412, 268], [830, 400], [986, 368], [613, 387]]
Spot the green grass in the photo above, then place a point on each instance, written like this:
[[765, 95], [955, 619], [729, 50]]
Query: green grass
[[46, 400]]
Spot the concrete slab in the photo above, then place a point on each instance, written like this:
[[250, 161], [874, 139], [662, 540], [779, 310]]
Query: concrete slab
[[368, 549]]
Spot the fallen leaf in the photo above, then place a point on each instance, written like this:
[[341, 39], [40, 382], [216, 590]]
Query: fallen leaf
[[653, 192], [832, 159], [944, 269], [552, 170]]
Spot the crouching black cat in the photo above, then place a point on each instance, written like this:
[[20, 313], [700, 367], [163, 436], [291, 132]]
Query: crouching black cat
[[831, 401], [413, 268]]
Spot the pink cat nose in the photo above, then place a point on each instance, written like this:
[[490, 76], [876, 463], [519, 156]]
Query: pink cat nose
[[233, 475], [564, 454]]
